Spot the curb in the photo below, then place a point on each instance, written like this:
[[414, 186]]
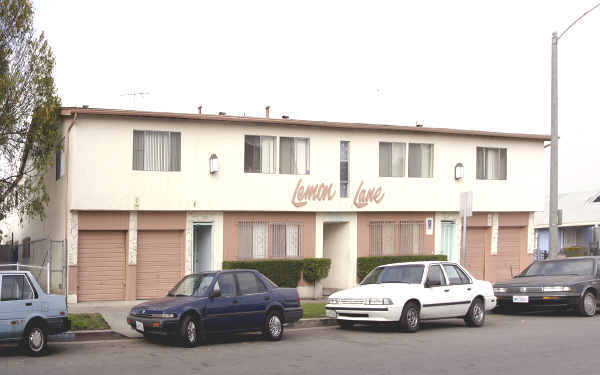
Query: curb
[[91, 335], [313, 322]]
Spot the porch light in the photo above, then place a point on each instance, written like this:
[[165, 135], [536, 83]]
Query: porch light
[[459, 171], [213, 164]]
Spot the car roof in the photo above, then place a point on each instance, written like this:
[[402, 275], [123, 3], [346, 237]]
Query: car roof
[[425, 263], [594, 257]]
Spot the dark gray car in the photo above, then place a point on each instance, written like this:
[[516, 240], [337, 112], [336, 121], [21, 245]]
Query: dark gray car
[[560, 283]]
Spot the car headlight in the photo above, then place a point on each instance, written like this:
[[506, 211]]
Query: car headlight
[[378, 301], [333, 301], [164, 316], [556, 289], [499, 290]]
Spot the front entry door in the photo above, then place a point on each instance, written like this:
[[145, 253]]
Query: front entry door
[[448, 239], [202, 247]]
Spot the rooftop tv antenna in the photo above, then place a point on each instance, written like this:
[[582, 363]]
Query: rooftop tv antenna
[[135, 94]]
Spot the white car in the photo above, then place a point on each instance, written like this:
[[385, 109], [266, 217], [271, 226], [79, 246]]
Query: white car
[[406, 293]]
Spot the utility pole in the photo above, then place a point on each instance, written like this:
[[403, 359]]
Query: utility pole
[[553, 206]]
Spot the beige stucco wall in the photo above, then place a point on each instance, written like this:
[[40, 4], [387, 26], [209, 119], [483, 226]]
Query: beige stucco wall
[[104, 179]]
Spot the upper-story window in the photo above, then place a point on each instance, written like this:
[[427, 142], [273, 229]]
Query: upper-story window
[[491, 163], [294, 155], [344, 161], [60, 160], [392, 159], [259, 154], [156, 151], [420, 160]]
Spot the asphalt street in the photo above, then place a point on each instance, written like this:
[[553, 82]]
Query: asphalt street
[[556, 343]]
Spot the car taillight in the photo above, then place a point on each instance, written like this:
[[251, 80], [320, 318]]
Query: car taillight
[[298, 300], [62, 313]]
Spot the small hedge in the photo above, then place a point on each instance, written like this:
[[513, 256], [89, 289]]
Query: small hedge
[[574, 251], [285, 272], [315, 269], [366, 264]]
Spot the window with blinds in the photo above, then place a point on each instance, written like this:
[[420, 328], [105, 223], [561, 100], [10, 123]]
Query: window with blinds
[[286, 240], [392, 159], [491, 163], [253, 239], [259, 154], [156, 151], [393, 238], [294, 155], [420, 160], [344, 161], [60, 160]]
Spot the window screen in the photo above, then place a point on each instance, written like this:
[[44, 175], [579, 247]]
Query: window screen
[[392, 158], [259, 154], [491, 163], [294, 155], [420, 160]]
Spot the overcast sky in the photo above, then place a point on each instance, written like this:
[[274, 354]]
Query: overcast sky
[[473, 64]]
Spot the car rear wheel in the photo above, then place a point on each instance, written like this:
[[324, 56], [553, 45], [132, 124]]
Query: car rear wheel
[[273, 329], [189, 332], [409, 321], [476, 315], [587, 304], [35, 340], [345, 324]]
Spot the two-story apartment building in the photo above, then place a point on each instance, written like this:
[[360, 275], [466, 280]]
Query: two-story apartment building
[[143, 198]]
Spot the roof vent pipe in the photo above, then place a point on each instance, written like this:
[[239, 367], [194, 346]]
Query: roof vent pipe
[[222, 113], [267, 109], [285, 117], [199, 109]]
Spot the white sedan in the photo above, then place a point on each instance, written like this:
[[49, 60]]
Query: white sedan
[[406, 293]]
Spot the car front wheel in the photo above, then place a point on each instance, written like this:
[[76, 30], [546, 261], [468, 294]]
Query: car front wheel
[[409, 321], [189, 332], [476, 315], [36, 340], [273, 329], [587, 304]]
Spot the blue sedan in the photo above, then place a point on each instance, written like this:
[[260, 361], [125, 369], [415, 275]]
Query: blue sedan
[[223, 301]]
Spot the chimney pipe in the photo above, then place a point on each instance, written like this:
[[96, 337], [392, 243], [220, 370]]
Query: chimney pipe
[[199, 109], [267, 109], [285, 117], [222, 113]]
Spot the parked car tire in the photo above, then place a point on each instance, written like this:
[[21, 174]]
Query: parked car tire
[[587, 304], [189, 332], [345, 324], [476, 315], [273, 329], [35, 340], [409, 321]]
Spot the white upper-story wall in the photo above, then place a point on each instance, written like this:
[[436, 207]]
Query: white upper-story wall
[[102, 175]]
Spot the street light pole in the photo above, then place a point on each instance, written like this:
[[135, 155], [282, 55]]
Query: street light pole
[[553, 209]]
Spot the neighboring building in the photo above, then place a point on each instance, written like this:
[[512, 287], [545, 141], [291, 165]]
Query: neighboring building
[[143, 198], [580, 223]]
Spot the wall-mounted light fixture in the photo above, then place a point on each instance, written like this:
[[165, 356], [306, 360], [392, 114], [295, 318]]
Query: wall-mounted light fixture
[[459, 171], [213, 164]]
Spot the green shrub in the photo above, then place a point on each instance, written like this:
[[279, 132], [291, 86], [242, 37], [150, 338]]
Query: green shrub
[[283, 272], [315, 269], [366, 264], [573, 251]]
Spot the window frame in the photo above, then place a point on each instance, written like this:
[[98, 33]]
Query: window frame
[[294, 172], [275, 154], [258, 280], [404, 171], [170, 151], [346, 183], [431, 160], [271, 229], [486, 178]]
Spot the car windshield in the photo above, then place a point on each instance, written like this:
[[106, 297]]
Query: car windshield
[[576, 267], [193, 285], [408, 274]]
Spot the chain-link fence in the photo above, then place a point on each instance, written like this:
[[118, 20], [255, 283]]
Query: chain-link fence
[[47, 262]]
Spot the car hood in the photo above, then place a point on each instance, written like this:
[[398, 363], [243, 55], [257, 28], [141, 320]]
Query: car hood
[[543, 281], [375, 290], [163, 304]]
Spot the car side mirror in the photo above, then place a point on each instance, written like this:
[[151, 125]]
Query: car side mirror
[[216, 292]]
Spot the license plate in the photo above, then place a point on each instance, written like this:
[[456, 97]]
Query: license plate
[[520, 299], [331, 314], [139, 326]]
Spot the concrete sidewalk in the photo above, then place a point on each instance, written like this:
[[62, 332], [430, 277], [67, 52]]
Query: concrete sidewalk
[[114, 312]]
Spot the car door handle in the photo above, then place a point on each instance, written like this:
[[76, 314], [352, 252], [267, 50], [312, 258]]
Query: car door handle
[[28, 304], [446, 290], [469, 289]]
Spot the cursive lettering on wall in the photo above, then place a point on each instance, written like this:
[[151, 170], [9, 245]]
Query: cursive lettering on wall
[[364, 196], [316, 192]]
